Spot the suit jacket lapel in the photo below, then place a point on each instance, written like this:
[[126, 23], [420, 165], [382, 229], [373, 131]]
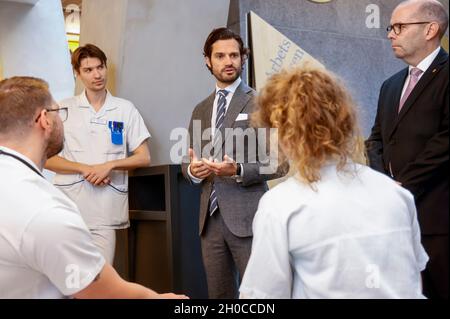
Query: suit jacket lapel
[[393, 109], [424, 81], [207, 109]]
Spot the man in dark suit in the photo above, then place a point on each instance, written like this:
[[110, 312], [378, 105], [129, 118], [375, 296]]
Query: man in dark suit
[[231, 178], [410, 140]]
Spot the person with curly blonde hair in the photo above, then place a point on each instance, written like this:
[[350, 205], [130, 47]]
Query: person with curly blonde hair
[[337, 229]]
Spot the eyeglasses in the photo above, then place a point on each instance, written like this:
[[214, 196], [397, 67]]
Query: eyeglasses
[[63, 113], [397, 27]]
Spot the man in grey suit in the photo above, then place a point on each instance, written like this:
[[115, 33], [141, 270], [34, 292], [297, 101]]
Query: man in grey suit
[[231, 179]]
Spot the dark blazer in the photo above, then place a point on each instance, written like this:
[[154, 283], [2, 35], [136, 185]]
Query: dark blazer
[[238, 202], [416, 141]]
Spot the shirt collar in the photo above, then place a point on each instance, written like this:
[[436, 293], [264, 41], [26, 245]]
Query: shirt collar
[[107, 106], [26, 159], [425, 63], [231, 88]]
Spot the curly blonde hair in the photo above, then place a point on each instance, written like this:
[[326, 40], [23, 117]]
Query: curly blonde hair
[[315, 118]]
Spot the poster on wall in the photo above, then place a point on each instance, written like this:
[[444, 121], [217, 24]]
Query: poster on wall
[[73, 40], [272, 51], [72, 14]]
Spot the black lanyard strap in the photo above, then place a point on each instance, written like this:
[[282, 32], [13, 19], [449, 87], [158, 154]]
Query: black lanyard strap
[[23, 161]]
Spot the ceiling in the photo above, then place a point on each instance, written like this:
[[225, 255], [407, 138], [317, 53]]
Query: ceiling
[[65, 3], [33, 2]]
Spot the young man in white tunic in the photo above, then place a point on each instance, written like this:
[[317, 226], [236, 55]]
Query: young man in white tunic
[[46, 250], [99, 134], [337, 229]]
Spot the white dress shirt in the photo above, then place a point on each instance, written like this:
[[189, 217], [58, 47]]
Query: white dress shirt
[[88, 140], [423, 66], [46, 250], [356, 236]]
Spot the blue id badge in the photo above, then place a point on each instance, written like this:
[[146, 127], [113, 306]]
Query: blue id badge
[[116, 129]]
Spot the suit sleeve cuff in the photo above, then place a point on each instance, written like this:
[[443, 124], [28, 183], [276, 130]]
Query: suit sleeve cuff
[[239, 178]]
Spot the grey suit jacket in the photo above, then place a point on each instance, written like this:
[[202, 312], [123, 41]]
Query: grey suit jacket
[[238, 202]]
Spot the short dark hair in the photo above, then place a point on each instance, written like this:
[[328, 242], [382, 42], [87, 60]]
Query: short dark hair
[[223, 34], [87, 51], [20, 99]]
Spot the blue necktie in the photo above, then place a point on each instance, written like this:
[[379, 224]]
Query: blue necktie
[[220, 117]]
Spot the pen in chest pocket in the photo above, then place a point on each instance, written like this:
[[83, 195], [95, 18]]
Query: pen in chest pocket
[[116, 129]]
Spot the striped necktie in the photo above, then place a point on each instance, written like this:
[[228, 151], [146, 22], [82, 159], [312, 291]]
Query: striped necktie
[[220, 117]]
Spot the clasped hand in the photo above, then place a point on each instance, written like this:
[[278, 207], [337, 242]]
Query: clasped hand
[[98, 175], [202, 168]]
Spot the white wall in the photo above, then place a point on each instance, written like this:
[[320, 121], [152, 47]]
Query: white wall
[[163, 70], [33, 43], [102, 24], [155, 50]]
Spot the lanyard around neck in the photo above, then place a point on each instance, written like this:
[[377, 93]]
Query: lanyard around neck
[[23, 161]]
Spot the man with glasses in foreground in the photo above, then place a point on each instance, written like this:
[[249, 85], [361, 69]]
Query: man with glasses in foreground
[[105, 136], [410, 140], [46, 250]]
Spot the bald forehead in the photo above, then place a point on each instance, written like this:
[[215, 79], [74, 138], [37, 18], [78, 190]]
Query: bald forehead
[[408, 9], [415, 5], [423, 10]]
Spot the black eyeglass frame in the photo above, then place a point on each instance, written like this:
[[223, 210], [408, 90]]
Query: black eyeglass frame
[[57, 110], [399, 26]]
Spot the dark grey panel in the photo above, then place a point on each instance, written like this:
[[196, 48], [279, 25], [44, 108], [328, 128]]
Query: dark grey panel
[[337, 35]]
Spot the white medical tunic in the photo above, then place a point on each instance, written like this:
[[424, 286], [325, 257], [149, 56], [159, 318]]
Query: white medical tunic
[[88, 140], [357, 236], [46, 250]]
